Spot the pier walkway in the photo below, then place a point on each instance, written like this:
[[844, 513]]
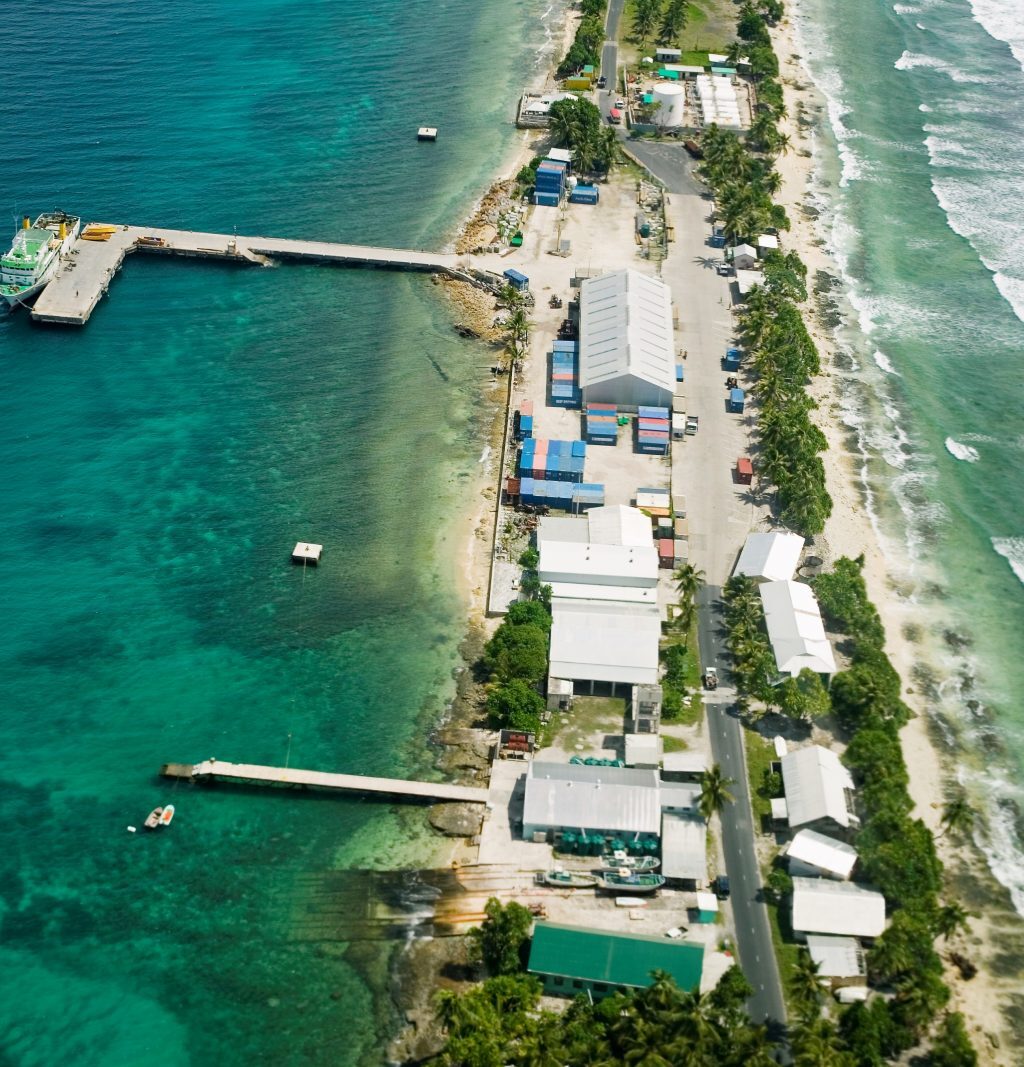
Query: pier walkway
[[86, 272], [250, 773]]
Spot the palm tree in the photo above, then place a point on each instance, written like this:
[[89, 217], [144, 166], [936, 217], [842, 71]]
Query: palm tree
[[645, 17], [606, 149], [673, 21], [816, 1044], [957, 815], [688, 579], [949, 919], [805, 986], [714, 792]]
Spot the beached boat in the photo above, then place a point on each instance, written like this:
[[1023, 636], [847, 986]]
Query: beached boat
[[626, 881], [562, 879], [159, 817], [617, 861], [35, 254]]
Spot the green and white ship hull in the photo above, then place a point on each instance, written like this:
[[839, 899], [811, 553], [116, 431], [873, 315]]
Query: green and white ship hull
[[35, 255]]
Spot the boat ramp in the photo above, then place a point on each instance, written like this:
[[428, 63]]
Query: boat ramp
[[213, 770], [86, 272]]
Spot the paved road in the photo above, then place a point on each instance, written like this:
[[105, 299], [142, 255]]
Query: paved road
[[753, 931], [719, 520]]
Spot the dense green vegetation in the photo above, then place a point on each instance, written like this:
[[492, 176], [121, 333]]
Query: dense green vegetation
[[500, 1022], [585, 49], [515, 660], [577, 125], [501, 941]]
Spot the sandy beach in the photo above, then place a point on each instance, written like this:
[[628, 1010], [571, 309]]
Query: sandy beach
[[850, 532]]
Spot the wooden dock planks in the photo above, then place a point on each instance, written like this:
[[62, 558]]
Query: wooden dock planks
[[431, 792], [85, 274]]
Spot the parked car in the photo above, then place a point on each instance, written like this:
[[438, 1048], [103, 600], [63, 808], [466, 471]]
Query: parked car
[[711, 678], [722, 887], [602, 82]]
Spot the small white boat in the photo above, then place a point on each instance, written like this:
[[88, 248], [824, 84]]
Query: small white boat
[[627, 881], [159, 817], [617, 861], [562, 879]]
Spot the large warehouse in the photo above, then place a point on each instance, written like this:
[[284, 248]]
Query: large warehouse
[[603, 574], [627, 352]]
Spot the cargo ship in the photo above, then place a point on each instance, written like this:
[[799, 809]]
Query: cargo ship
[[35, 253]]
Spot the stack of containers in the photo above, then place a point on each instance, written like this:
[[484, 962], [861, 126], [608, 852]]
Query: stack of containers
[[524, 421], [602, 427], [564, 391], [539, 492], [549, 185], [587, 495], [584, 194], [552, 461], [653, 428]]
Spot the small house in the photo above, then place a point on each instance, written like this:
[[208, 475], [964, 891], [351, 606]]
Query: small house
[[667, 55], [707, 907], [842, 909], [645, 709], [743, 257]]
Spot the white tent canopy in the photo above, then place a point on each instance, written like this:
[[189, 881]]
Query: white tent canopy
[[795, 628], [770, 557], [627, 351]]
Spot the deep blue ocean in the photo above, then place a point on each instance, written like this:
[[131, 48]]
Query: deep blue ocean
[[920, 179], [159, 464]]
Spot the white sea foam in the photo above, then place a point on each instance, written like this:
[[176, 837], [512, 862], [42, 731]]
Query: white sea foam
[[1003, 852], [906, 9], [1004, 21], [913, 60], [485, 455], [962, 451], [884, 363], [1012, 290], [923, 107], [1012, 550]]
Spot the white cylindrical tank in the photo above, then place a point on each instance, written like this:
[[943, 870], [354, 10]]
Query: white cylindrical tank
[[671, 101]]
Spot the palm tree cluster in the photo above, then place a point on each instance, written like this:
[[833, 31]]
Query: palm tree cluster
[[576, 124], [689, 580], [714, 792], [586, 46], [501, 1023], [664, 20], [784, 359], [743, 183], [516, 323], [753, 662]]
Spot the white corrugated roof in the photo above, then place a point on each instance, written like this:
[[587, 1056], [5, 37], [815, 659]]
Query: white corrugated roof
[[837, 957], [743, 250], [826, 853], [604, 642], [816, 784], [770, 557], [567, 561], [618, 524], [577, 797], [684, 847], [795, 628], [626, 330], [822, 906], [628, 594], [643, 748], [680, 795], [747, 279], [685, 762]]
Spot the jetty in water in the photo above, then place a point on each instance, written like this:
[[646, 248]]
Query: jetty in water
[[213, 770], [85, 274]]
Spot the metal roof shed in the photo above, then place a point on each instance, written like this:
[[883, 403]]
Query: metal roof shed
[[795, 629], [605, 641], [684, 848], [627, 351], [643, 750], [817, 787], [816, 854], [516, 279], [566, 796], [821, 906], [837, 957], [770, 557], [609, 960]]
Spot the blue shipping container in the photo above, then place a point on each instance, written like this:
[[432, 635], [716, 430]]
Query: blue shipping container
[[546, 199], [565, 346], [653, 413]]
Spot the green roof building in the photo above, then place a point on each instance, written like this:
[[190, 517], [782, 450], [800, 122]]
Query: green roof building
[[570, 960]]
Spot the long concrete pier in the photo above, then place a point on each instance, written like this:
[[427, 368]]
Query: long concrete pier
[[217, 770], [86, 272]]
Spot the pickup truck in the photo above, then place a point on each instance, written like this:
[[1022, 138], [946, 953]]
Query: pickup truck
[[711, 678], [691, 424]]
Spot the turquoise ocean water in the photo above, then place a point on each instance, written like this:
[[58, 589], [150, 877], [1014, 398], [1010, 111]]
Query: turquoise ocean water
[[159, 464], [921, 208]]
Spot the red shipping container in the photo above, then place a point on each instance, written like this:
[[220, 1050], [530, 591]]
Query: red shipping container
[[744, 471], [526, 407], [666, 548]]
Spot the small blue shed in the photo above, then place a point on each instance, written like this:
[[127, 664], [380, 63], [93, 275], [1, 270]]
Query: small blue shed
[[732, 359], [516, 280], [736, 401]]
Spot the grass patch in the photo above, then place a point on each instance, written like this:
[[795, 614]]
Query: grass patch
[[691, 685], [673, 744], [589, 716], [760, 756], [786, 952]]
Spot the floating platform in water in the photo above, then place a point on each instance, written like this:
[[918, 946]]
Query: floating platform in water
[[306, 554], [426, 133]]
